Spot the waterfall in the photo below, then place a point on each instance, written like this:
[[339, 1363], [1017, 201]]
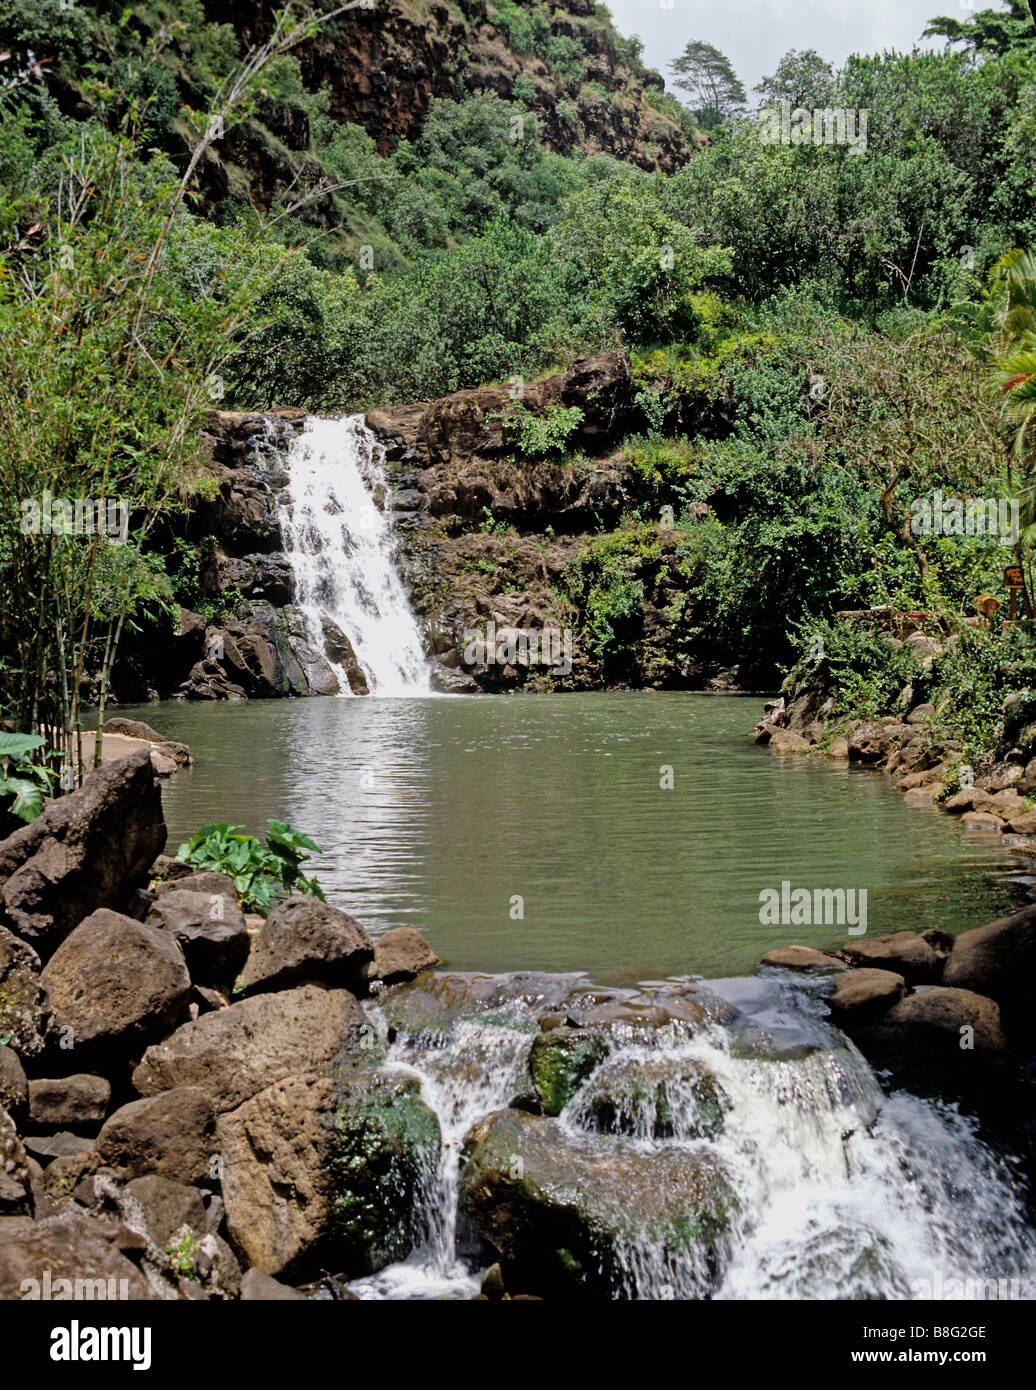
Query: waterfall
[[360, 633], [841, 1191]]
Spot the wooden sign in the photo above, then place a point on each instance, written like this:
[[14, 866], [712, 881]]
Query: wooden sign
[[1013, 577]]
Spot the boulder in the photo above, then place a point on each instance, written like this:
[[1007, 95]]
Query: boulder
[[575, 1218], [560, 1061], [304, 938], [234, 1053], [64, 1144], [943, 1038], [905, 953], [14, 1089], [869, 742], [401, 954], [982, 820], [87, 850], [654, 1098], [997, 960], [166, 869], [74, 1247], [163, 1208], [787, 741], [257, 1287], [320, 1169], [172, 1134], [24, 1011], [209, 927], [860, 994], [802, 958], [115, 980], [193, 881], [74, 1102]]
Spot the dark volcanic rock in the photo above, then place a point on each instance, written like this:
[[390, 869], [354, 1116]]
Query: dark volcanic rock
[[171, 1134], [73, 1247], [209, 927], [89, 849], [304, 938], [234, 1053], [115, 980], [69, 1101], [24, 1011]]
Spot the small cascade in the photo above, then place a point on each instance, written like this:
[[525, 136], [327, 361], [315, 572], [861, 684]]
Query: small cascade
[[360, 631], [475, 1069], [839, 1191]]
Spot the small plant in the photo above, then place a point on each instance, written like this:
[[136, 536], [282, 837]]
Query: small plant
[[182, 1251], [24, 781], [542, 435], [261, 870]]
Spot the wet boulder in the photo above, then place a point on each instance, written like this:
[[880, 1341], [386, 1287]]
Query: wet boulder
[[560, 1061], [859, 995], [595, 1217], [304, 938], [87, 850], [997, 960], [941, 1039], [802, 958], [328, 1169], [651, 1098]]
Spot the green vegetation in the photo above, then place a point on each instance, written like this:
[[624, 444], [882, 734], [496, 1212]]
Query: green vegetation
[[261, 870], [821, 335]]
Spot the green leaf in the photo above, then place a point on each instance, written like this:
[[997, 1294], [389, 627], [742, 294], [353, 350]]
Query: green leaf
[[28, 797], [14, 745]]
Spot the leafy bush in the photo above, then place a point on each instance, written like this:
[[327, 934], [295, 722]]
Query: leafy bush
[[539, 435], [261, 871], [23, 783]]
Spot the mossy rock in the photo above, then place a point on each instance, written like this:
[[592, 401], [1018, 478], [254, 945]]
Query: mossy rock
[[585, 1218], [560, 1061], [385, 1154], [655, 1098]]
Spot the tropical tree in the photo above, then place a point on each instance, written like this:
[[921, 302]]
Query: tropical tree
[[707, 74]]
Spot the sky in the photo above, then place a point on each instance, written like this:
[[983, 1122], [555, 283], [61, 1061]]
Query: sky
[[755, 34]]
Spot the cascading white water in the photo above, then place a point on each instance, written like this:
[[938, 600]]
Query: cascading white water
[[340, 545], [841, 1192]]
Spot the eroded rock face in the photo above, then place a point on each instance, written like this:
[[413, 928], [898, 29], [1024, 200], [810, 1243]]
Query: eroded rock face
[[656, 1098], [560, 1061], [87, 850], [567, 1214], [116, 981], [234, 1053]]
